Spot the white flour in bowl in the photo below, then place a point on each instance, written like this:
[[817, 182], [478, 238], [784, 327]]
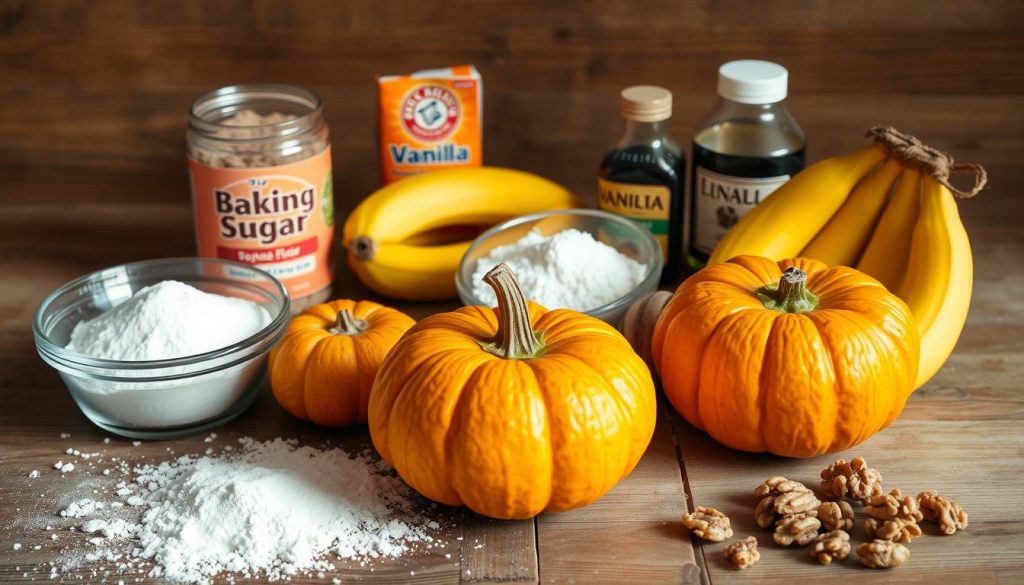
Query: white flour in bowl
[[262, 510], [567, 270], [165, 321]]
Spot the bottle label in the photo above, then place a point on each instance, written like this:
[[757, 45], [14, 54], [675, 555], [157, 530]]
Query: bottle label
[[722, 200], [279, 219], [648, 205]]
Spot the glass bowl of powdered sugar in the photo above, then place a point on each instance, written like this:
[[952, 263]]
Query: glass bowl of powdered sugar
[[582, 259], [163, 348]]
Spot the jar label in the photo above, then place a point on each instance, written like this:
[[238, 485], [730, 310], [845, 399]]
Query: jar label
[[647, 205], [279, 219], [722, 200]]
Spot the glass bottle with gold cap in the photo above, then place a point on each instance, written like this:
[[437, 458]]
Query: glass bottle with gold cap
[[642, 175]]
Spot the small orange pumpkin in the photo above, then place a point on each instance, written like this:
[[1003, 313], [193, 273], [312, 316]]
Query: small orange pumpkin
[[792, 357], [513, 411], [324, 367]]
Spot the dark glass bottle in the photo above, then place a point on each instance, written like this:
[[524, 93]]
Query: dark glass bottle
[[642, 176], [748, 147]]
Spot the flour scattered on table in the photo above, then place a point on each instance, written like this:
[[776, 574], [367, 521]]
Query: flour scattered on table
[[567, 270], [266, 510]]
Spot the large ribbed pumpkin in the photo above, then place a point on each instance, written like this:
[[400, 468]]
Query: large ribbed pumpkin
[[793, 357], [513, 411]]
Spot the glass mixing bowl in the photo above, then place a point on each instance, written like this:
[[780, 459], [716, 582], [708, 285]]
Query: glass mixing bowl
[[163, 398], [622, 234]]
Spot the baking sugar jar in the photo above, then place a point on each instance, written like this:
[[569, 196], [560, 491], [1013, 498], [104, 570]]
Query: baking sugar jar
[[259, 161]]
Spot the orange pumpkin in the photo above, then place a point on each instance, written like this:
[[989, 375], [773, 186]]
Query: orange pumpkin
[[324, 367], [513, 411], [792, 357]]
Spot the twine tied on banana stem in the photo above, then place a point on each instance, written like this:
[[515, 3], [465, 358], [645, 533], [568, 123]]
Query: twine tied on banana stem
[[931, 161]]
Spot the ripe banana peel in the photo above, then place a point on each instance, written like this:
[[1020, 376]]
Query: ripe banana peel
[[846, 210], [939, 278], [389, 235]]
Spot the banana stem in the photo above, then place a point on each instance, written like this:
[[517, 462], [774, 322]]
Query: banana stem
[[790, 295], [516, 338], [347, 324]]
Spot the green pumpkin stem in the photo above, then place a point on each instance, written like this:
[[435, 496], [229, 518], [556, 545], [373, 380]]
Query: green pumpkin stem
[[347, 324], [516, 338], [790, 295]]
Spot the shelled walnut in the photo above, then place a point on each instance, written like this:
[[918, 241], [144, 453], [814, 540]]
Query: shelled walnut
[[708, 523], [836, 515], [895, 529], [882, 554], [743, 553], [831, 545], [893, 505], [799, 529], [854, 480], [948, 514], [780, 497]]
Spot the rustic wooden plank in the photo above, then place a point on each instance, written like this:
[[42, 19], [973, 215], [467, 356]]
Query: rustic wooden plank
[[168, 43], [497, 551], [631, 535]]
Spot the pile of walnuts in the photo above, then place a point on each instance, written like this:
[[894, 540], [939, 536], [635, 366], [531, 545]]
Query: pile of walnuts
[[798, 517]]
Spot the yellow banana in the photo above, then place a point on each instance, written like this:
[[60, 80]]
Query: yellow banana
[[886, 256], [844, 237], [413, 273], [385, 233], [788, 219], [940, 273]]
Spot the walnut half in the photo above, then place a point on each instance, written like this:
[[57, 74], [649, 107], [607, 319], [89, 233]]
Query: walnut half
[[799, 529], [836, 515], [882, 554], [893, 505], [743, 553], [831, 545], [895, 529], [854, 480], [708, 523], [950, 515]]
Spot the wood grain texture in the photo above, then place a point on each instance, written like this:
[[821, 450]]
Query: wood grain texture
[[92, 112]]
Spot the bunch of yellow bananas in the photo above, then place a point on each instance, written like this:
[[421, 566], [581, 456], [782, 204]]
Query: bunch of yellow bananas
[[874, 211], [399, 239]]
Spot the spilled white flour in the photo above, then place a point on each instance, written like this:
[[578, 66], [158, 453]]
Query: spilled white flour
[[261, 510], [168, 320], [567, 270]]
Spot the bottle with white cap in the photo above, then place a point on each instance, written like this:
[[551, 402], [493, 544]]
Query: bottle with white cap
[[747, 148], [642, 176]]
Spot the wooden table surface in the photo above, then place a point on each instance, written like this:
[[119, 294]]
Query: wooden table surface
[[962, 434], [92, 103]]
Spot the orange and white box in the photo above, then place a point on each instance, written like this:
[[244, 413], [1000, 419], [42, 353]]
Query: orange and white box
[[430, 120]]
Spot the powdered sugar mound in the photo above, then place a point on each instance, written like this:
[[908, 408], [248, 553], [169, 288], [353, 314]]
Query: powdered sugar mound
[[567, 270], [271, 508], [168, 320]]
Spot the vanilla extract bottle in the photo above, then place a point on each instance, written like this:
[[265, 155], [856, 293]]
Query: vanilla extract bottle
[[642, 176], [747, 148]]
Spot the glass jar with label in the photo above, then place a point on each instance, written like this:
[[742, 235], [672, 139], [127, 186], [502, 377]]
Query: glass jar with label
[[642, 175], [259, 161], [748, 147]]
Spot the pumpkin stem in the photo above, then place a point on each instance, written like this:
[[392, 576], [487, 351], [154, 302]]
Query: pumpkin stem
[[790, 295], [347, 324], [515, 338]]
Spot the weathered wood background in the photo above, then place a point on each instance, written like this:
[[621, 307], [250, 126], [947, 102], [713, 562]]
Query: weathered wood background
[[93, 97]]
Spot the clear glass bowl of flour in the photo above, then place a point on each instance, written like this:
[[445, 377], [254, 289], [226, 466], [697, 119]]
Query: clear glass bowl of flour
[[621, 235], [170, 397]]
